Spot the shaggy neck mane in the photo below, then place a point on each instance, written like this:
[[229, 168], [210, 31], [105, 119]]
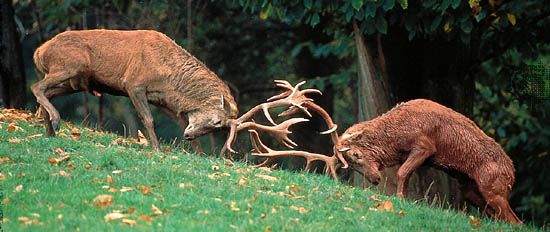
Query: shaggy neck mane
[[192, 75]]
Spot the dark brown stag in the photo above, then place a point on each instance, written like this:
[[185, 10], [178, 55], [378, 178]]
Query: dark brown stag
[[411, 134]]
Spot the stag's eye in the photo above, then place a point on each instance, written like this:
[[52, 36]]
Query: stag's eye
[[217, 123]]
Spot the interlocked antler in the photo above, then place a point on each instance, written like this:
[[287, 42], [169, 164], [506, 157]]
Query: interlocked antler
[[296, 101]]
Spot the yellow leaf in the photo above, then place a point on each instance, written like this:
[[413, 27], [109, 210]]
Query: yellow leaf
[[103, 200], [299, 209], [267, 229], [447, 27], [349, 209], [110, 179], [14, 140], [113, 216], [156, 210], [129, 222], [59, 151], [234, 206], [18, 188], [511, 18], [126, 189], [242, 182], [266, 177], [385, 206], [144, 190], [146, 218], [475, 222]]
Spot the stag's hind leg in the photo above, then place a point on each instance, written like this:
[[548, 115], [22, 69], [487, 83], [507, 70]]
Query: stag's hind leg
[[52, 85], [422, 148]]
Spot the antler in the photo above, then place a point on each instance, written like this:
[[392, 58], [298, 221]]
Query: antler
[[270, 154], [292, 97], [297, 101]]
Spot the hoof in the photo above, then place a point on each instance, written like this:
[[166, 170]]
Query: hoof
[[55, 125]]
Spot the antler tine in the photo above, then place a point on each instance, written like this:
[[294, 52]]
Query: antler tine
[[264, 151], [259, 146], [280, 132]]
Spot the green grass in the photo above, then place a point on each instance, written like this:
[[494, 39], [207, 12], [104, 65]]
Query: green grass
[[194, 193]]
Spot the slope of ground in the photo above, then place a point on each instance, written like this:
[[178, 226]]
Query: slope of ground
[[92, 181]]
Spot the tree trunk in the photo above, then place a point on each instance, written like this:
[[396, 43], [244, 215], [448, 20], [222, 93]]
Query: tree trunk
[[12, 76], [373, 95]]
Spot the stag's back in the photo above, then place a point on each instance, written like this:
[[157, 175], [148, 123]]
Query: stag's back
[[460, 143]]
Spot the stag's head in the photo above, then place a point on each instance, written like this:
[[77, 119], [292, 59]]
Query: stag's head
[[359, 157], [211, 118]]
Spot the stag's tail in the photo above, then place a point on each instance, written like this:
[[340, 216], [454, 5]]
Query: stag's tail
[[39, 61]]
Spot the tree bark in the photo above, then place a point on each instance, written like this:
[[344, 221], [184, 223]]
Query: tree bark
[[12, 76], [373, 95]]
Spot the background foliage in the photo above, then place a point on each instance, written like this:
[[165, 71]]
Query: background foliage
[[474, 56]]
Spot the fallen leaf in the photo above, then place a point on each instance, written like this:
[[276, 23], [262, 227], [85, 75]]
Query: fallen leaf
[[349, 209], [385, 206], [18, 188], [475, 222], [75, 135], [12, 127], [59, 151], [144, 189], [58, 160], [266, 177], [374, 197], [299, 209], [129, 222], [110, 179], [34, 136], [267, 229], [265, 169], [4, 159], [14, 140], [103, 200], [401, 213], [174, 157], [234, 206], [126, 189], [116, 171], [112, 190], [156, 210], [64, 173], [217, 175], [242, 182], [113, 216], [146, 218], [27, 221], [2, 177]]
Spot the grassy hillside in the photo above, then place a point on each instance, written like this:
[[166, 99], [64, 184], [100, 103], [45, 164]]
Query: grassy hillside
[[92, 181]]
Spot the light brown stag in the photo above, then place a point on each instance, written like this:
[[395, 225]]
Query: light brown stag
[[144, 65], [413, 133]]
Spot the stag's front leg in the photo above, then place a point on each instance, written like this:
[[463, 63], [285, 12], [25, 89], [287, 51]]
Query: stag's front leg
[[139, 99], [421, 150]]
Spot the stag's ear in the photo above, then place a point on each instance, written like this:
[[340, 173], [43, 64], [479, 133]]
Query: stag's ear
[[228, 107], [350, 136]]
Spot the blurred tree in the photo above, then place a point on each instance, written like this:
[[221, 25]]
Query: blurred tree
[[12, 76], [432, 49]]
